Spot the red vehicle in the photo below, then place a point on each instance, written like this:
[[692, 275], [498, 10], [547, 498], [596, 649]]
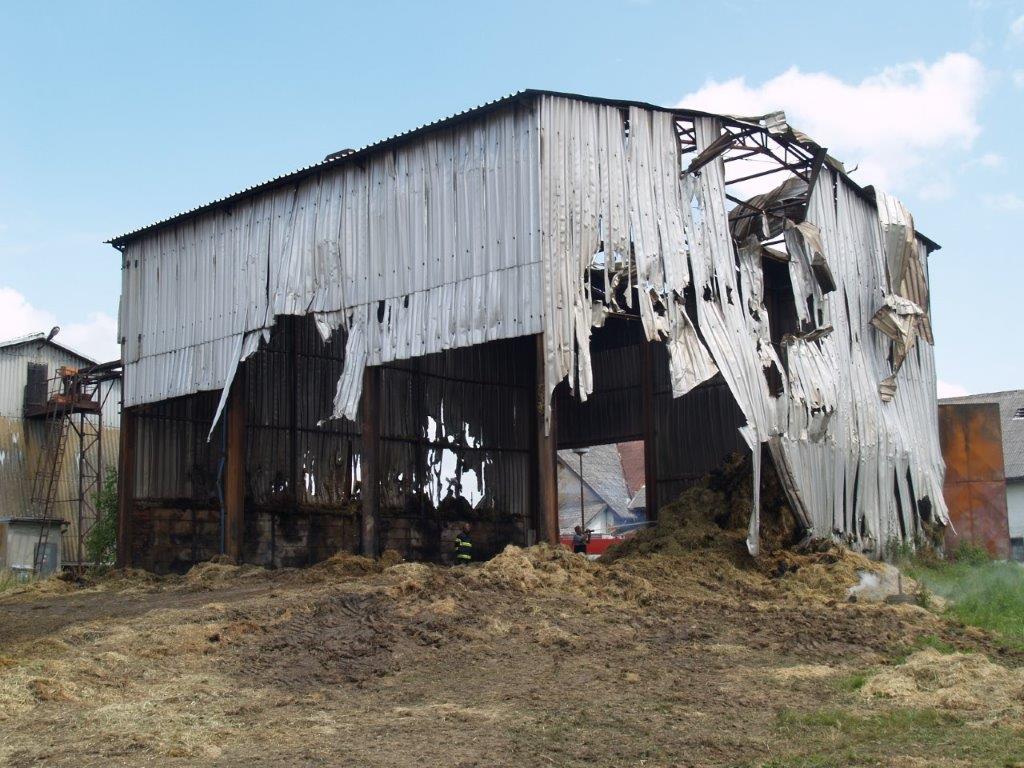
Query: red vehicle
[[599, 542]]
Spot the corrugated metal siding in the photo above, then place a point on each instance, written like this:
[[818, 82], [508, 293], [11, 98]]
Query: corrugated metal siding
[[613, 412], [174, 462], [291, 380], [841, 450], [486, 231], [444, 232]]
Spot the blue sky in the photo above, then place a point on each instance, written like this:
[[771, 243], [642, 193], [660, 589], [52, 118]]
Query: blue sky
[[114, 115]]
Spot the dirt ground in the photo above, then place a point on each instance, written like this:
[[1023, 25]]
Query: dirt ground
[[694, 657]]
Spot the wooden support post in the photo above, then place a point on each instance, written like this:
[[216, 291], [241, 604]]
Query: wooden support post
[[547, 472], [234, 470], [650, 427], [125, 487], [369, 468]]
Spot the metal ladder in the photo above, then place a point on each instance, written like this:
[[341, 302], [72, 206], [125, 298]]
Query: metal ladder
[[44, 485]]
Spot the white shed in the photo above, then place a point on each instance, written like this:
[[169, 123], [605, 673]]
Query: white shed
[[21, 537]]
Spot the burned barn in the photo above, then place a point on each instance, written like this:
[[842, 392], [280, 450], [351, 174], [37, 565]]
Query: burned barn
[[369, 351]]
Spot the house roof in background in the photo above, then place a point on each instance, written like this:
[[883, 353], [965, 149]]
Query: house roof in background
[[602, 472], [40, 338], [632, 456], [1010, 402]]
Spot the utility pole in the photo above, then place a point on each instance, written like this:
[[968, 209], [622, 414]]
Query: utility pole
[[581, 452]]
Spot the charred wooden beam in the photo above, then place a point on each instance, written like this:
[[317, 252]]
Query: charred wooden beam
[[650, 458], [370, 461], [234, 470], [126, 487], [547, 470]]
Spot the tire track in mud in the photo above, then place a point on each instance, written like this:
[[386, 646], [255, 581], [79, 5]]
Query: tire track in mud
[[342, 638]]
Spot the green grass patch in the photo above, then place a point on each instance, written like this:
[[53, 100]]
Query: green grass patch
[[837, 737], [979, 592], [852, 682], [8, 581]]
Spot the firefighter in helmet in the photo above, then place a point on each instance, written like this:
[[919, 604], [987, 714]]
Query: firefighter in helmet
[[463, 546]]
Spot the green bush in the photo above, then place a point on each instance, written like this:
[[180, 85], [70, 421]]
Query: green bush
[[101, 541], [971, 554]]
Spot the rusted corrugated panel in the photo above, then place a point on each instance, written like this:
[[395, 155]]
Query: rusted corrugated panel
[[975, 486]]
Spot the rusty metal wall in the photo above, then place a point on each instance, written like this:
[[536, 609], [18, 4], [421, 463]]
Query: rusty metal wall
[[456, 444], [975, 485]]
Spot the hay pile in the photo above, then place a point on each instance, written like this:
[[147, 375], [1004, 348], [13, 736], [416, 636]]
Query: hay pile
[[346, 564], [825, 570], [715, 513], [546, 568], [707, 527], [219, 570], [961, 682]]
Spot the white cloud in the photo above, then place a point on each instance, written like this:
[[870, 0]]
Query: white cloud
[[992, 160], [946, 389], [96, 337], [1009, 202], [1018, 78], [1017, 28], [889, 124]]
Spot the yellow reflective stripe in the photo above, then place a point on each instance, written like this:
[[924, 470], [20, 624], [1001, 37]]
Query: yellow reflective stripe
[[462, 543], [464, 557]]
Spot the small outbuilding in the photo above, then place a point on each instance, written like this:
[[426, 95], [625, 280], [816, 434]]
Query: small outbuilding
[[59, 436], [983, 446], [28, 543]]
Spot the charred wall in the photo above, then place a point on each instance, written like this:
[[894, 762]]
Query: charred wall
[[455, 446]]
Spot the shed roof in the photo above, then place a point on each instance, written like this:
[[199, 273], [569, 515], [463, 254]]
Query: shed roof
[[1011, 402], [523, 96], [40, 338]]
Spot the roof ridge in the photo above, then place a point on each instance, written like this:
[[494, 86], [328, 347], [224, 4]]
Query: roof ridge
[[330, 161]]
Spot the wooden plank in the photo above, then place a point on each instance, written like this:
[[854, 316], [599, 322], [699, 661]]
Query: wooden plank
[[547, 474], [369, 473], [125, 487], [649, 426], [234, 470]]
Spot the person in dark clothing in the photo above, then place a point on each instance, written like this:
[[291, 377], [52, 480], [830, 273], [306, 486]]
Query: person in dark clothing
[[463, 546], [580, 539]]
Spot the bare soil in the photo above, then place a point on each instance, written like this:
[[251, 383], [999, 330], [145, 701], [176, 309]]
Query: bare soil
[[695, 657]]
